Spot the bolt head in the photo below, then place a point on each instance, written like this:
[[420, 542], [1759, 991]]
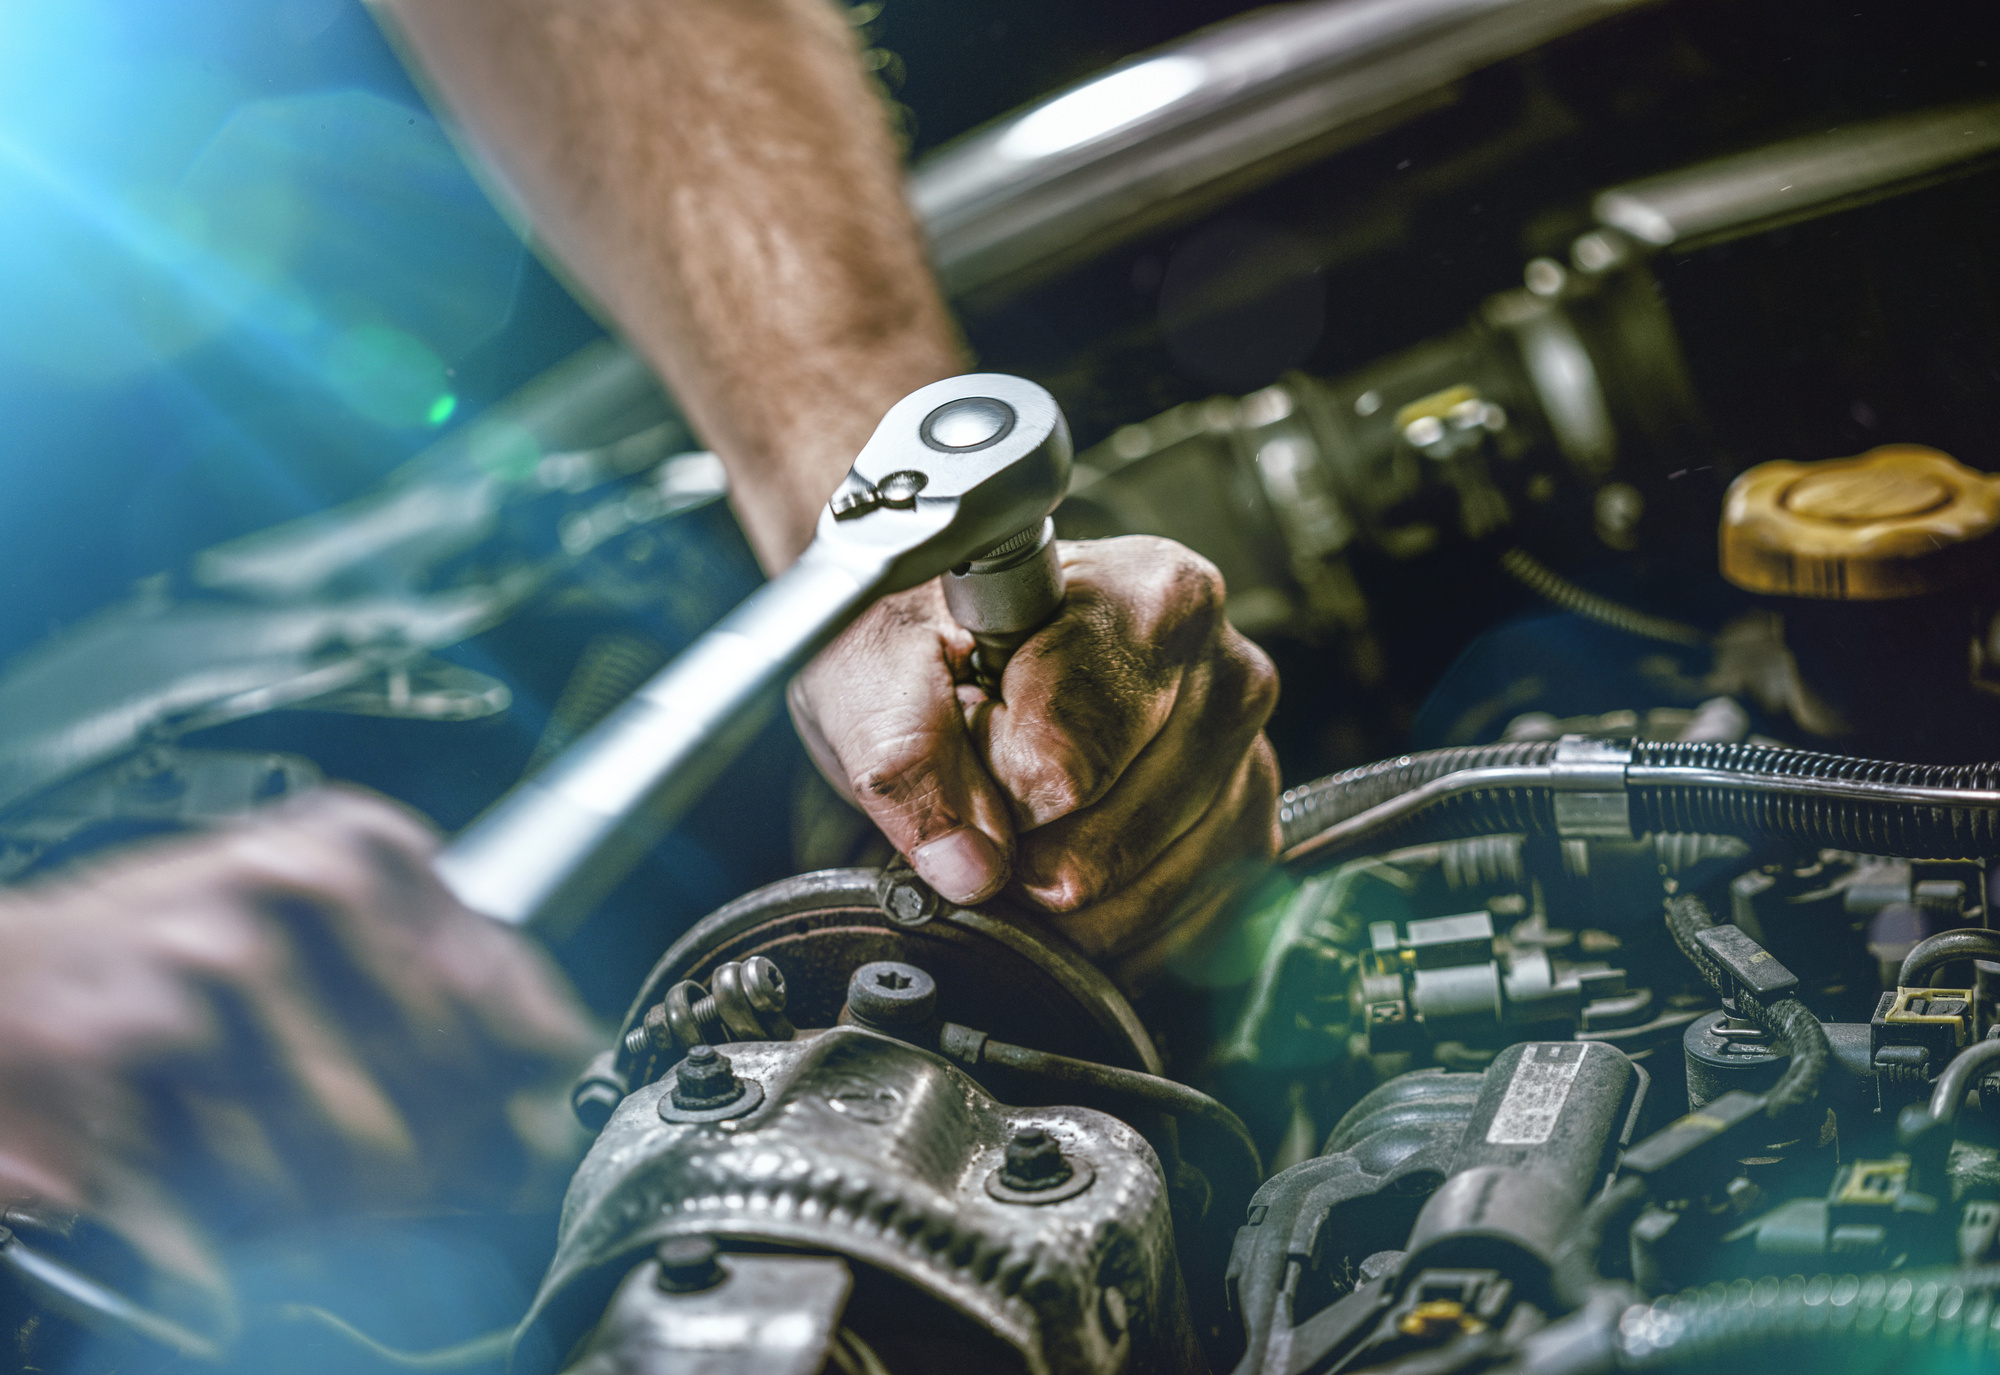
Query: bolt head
[[1034, 1161], [705, 1079], [888, 993], [688, 1264]]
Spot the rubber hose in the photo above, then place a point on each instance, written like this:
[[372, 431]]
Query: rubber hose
[[1874, 807], [1933, 952], [1724, 1326], [1966, 1066], [1815, 801], [1786, 1019], [1574, 1269], [1545, 582], [1309, 809]]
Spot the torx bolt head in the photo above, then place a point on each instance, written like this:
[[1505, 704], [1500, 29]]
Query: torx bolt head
[[688, 1264], [705, 1079], [1034, 1161], [889, 993]]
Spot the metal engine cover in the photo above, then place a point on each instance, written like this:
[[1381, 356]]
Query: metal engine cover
[[875, 1150]]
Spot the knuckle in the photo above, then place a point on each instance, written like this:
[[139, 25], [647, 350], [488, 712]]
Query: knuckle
[[1062, 773], [1260, 678], [1072, 877], [284, 860], [899, 776], [223, 943]]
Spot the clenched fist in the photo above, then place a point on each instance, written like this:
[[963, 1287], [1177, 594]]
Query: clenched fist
[[286, 1015], [1123, 773]]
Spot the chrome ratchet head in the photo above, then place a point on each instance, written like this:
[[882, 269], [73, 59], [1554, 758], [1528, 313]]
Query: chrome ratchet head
[[954, 471], [986, 457]]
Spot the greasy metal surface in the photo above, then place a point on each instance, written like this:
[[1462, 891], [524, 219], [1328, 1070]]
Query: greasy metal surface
[[1010, 977], [869, 1148], [769, 1315]]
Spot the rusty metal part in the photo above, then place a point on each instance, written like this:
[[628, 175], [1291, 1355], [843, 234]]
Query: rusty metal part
[[745, 1001], [708, 1089], [755, 1315], [868, 1148], [1010, 976]]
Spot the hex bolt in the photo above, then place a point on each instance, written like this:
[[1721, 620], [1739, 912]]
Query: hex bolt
[[904, 898], [688, 1264], [891, 995], [705, 1079], [1034, 1161]]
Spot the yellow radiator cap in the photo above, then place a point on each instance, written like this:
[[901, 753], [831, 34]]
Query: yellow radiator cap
[[1894, 522]]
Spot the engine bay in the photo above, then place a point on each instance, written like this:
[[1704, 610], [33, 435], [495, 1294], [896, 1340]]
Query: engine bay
[[1589, 409]]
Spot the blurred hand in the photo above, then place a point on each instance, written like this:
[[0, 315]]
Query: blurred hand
[[290, 1014], [1124, 771]]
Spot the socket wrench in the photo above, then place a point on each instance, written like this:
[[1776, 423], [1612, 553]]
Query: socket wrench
[[961, 474]]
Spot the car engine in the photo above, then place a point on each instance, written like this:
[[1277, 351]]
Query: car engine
[[1593, 415]]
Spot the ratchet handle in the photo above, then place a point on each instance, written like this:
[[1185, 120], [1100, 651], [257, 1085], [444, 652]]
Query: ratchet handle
[[1004, 596], [966, 464]]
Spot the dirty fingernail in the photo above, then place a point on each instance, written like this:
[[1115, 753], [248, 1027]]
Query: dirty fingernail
[[964, 866]]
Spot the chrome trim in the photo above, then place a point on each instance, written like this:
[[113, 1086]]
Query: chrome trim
[[1790, 180], [1229, 108]]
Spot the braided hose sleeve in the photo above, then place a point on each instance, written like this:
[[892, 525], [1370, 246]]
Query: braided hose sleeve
[[1821, 801], [1815, 801], [1310, 809], [1827, 1322], [1786, 1019], [1552, 586]]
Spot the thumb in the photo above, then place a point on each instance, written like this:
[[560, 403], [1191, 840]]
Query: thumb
[[883, 717]]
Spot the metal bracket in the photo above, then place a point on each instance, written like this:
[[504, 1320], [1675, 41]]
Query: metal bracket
[[1588, 777]]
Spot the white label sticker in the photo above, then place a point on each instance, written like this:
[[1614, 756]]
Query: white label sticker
[[1535, 1095]]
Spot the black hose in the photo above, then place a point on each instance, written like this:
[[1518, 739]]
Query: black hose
[[1821, 801], [1971, 1063], [1786, 1019], [1946, 947], [1732, 1326], [1574, 1267], [1308, 810], [1815, 801], [1545, 582]]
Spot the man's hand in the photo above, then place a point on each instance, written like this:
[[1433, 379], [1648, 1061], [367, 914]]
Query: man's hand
[[1125, 766], [290, 1014]]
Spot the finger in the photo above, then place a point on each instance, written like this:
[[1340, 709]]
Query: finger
[[449, 973], [1171, 899], [882, 710], [1219, 710], [1089, 691], [448, 1012], [275, 1046], [188, 1282]]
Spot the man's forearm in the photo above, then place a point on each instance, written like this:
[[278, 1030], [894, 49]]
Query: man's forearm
[[719, 177]]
